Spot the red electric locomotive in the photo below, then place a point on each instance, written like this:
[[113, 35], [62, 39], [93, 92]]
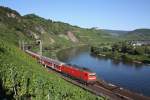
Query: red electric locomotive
[[71, 70], [79, 73]]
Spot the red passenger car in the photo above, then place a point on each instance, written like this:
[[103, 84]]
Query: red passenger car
[[54, 64]]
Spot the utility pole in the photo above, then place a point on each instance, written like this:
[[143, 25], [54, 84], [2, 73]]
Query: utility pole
[[41, 48], [23, 45], [20, 44], [48, 97]]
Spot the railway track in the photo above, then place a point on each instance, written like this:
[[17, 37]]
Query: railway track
[[101, 88], [124, 94]]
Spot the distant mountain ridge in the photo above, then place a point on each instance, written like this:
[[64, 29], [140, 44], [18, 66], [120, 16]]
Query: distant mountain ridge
[[115, 32], [138, 34]]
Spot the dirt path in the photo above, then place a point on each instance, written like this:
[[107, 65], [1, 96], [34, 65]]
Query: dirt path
[[72, 37]]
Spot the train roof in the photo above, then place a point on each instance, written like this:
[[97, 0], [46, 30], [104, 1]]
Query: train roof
[[52, 60], [61, 63], [81, 68], [32, 52]]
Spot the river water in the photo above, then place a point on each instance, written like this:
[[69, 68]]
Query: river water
[[134, 77]]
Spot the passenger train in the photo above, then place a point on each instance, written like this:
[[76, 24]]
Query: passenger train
[[75, 72]]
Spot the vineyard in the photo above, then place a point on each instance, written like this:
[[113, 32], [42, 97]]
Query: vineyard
[[22, 77]]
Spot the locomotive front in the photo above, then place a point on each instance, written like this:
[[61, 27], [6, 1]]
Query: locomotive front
[[91, 77]]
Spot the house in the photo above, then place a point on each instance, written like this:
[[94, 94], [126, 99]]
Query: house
[[139, 42]]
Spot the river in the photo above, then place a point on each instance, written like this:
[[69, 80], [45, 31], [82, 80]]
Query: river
[[135, 77]]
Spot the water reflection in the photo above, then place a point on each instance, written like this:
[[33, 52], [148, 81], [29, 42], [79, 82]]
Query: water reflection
[[117, 62], [67, 54]]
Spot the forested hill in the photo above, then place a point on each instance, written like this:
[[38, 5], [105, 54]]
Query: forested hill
[[138, 34], [115, 32], [55, 33]]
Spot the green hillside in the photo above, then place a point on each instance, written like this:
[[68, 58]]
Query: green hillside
[[115, 32], [21, 77], [138, 34], [53, 34]]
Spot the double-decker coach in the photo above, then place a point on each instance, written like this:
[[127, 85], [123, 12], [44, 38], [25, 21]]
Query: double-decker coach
[[54, 64]]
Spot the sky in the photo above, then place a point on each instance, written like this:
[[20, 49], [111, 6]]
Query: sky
[[105, 14]]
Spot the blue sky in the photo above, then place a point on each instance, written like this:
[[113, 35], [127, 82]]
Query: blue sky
[[105, 14]]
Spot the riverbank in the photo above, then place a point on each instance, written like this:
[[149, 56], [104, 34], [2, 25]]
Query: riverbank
[[123, 51], [124, 57]]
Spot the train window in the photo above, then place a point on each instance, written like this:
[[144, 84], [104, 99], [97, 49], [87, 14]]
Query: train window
[[92, 74], [56, 65]]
